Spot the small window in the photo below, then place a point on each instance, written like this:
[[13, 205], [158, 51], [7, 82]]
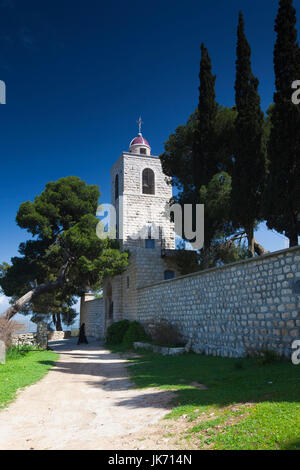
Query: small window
[[143, 151], [128, 282], [150, 243], [169, 275], [116, 187], [148, 181]]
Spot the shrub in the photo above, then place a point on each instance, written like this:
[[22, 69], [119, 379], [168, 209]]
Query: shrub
[[134, 333], [164, 333], [265, 356], [13, 352], [115, 332], [8, 328]]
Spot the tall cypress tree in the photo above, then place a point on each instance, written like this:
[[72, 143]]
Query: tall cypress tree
[[250, 156], [204, 165], [282, 202]]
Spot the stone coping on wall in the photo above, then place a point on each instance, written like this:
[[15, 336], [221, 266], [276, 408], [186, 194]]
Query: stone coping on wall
[[225, 266]]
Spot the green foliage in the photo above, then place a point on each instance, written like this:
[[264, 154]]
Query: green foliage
[[220, 252], [216, 198], [65, 251], [282, 197], [204, 146], [198, 157], [265, 357], [14, 352], [203, 155], [134, 333], [250, 153], [23, 368], [187, 261], [249, 407], [115, 332], [52, 307], [125, 333], [165, 334], [177, 161]]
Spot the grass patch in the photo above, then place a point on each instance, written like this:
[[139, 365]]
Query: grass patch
[[22, 368], [245, 406]]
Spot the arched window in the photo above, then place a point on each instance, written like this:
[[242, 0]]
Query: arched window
[[148, 181], [116, 187], [169, 275]]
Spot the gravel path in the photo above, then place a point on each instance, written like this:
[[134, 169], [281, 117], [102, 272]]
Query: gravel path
[[86, 401]]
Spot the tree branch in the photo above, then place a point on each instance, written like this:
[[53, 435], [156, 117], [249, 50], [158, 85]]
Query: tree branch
[[259, 249], [38, 290]]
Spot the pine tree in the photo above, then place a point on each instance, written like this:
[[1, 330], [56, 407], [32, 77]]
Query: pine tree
[[204, 164], [282, 201], [64, 257], [250, 156]]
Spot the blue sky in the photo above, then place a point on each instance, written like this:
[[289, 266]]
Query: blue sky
[[79, 74]]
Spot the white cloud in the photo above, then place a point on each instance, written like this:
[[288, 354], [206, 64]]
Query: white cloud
[[4, 303]]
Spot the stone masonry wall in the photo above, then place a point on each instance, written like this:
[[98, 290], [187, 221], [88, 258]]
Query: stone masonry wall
[[227, 311], [38, 339], [92, 314], [58, 335], [24, 338], [146, 267], [139, 209]]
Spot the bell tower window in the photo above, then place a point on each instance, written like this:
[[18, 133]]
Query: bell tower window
[[148, 179], [143, 151]]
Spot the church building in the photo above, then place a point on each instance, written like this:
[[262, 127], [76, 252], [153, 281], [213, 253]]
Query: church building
[[140, 193]]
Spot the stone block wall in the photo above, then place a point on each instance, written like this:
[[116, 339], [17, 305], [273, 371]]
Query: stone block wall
[[92, 314], [36, 340], [230, 310], [146, 267], [58, 335], [24, 339]]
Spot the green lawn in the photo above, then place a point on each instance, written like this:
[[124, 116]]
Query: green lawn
[[22, 369], [245, 406]]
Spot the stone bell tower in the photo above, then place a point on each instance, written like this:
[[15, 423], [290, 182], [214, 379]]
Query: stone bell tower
[[140, 193]]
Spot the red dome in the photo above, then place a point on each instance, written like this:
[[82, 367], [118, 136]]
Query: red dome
[[139, 141]]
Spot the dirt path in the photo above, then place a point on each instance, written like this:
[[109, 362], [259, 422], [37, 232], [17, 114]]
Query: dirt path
[[85, 402]]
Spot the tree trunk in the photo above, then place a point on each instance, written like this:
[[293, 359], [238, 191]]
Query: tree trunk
[[250, 238], [56, 318], [58, 322], [206, 258], [293, 237], [259, 249], [38, 290], [292, 234]]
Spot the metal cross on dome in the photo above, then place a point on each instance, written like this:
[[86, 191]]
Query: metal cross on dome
[[140, 122]]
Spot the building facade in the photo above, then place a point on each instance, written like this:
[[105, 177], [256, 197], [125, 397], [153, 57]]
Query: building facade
[[140, 194]]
